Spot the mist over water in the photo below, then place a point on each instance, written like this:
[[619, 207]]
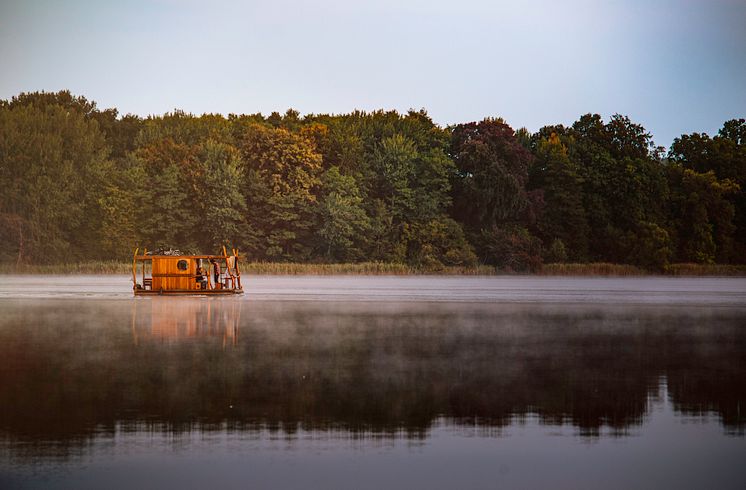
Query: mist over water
[[303, 388]]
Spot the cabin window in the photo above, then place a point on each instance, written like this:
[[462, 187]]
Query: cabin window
[[182, 265]]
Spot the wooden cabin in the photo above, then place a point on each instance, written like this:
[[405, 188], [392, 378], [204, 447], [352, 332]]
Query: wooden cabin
[[178, 274]]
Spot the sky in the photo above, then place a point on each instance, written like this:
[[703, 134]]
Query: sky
[[673, 66]]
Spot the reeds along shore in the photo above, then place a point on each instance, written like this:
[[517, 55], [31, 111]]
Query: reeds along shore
[[383, 268]]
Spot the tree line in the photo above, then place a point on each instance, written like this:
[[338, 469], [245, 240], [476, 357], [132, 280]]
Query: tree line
[[82, 183]]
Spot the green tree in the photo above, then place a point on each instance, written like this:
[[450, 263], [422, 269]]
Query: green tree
[[702, 215], [735, 131], [440, 242], [394, 163], [53, 162], [556, 253], [725, 156], [624, 187], [223, 204], [343, 223], [119, 132], [563, 217], [123, 196], [649, 246], [414, 187], [185, 129], [280, 186], [166, 214]]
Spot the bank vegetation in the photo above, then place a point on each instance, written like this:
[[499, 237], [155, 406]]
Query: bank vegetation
[[394, 269], [380, 192]]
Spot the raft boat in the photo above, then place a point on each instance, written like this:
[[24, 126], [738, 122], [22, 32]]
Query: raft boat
[[175, 274]]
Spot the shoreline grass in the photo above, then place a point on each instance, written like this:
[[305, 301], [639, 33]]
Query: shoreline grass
[[706, 270], [383, 268], [257, 268], [622, 270], [593, 269]]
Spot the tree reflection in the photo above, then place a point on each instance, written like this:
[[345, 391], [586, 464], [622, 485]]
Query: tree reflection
[[72, 372]]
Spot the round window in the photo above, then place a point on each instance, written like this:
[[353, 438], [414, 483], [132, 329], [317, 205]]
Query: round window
[[182, 265]]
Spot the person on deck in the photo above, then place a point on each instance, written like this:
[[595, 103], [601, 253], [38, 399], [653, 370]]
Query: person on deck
[[215, 272], [201, 277]]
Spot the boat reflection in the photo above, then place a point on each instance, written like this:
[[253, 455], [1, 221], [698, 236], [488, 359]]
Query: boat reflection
[[171, 319]]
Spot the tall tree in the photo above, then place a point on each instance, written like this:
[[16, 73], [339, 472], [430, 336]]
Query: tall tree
[[53, 163], [624, 188], [280, 186], [491, 174], [702, 215], [119, 132], [489, 193], [394, 164], [563, 216], [124, 195], [166, 214], [343, 223], [725, 156], [222, 201]]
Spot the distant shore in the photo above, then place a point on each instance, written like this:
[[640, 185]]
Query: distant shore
[[382, 268]]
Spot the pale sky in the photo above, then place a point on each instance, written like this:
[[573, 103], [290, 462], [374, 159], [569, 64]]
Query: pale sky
[[673, 66]]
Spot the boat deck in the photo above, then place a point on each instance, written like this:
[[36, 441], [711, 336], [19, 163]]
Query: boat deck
[[187, 292]]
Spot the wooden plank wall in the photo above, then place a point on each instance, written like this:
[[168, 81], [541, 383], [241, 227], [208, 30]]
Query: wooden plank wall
[[179, 279]]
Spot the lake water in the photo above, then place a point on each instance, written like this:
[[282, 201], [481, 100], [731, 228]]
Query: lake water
[[375, 382]]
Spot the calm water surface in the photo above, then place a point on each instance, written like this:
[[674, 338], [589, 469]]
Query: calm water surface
[[356, 382]]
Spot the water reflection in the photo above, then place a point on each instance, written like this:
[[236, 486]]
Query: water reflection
[[181, 318], [73, 373]]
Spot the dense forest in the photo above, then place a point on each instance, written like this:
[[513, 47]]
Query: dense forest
[[82, 183]]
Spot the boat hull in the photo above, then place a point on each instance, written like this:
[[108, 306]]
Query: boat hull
[[187, 292]]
